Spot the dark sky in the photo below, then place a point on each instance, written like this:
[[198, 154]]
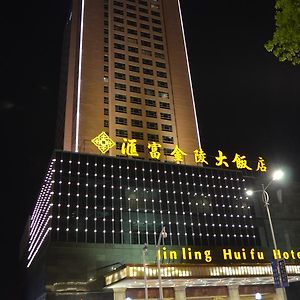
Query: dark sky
[[247, 101]]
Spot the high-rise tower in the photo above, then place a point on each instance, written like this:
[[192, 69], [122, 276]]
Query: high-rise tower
[[128, 75]]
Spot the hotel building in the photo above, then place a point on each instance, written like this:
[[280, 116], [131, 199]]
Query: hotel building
[[97, 222]]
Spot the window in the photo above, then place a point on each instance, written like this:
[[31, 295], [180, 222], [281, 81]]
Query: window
[[144, 26], [157, 38], [161, 74], [160, 64], [143, 10], [131, 31], [119, 28], [165, 116], [154, 6], [132, 7], [136, 123], [119, 37], [146, 52], [118, 11], [165, 127], [116, 3], [164, 105], [155, 21], [153, 137], [149, 92], [119, 55], [120, 97], [152, 125], [119, 46], [148, 81], [106, 111], [136, 111], [151, 114], [134, 78], [167, 151], [121, 121], [144, 18], [120, 76], [119, 20], [119, 145], [163, 95], [106, 100], [147, 62], [143, 2], [133, 49], [139, 148], [121, 133], [135, 100], [150, 102], [137, 135], [159, 55], [132, 40], [133, 58], [106, 123], [106, 57], [155, 13], [168, 139], [156, 29], [105, 78], [148, 71], [158, 46], [134, 68], [145, 34], [105, 89], [121, 109], [162, 84], [120, 86], [146, 44], [105, 68], [105, 49], [131, 23], [135, 89]]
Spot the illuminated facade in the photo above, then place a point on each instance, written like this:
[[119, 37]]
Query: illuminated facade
[[127, 75]]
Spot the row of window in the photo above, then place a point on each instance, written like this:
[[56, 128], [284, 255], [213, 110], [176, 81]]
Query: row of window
[[138, 112], [139, 123], [137, 100], [148, 81], [134, 41], [135, 24], [133, 15], [122, 66]]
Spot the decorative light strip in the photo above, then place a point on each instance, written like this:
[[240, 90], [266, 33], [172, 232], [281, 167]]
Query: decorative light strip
[[79, 78]]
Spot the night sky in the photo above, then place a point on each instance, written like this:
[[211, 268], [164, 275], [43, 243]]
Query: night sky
[[247, 102]]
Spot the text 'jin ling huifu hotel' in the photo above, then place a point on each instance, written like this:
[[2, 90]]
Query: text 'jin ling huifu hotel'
[[126, 211]]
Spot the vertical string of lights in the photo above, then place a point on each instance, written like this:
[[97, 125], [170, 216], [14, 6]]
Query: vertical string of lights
[[215, 209], [182, 205], [229, 219], [119, 196], [129, 203], [77, 196], [145, 205], [68, 195], [95, 200], [190, 210], [168, 205], [152, 202], [137, 202], [104, 200], [196, 197], [112, 202], [159, 196], [58, 224], [206, 207], [87, 194], [222, 210], [175, 205]]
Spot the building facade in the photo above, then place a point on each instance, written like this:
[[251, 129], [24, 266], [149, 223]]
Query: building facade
[[127, 74]]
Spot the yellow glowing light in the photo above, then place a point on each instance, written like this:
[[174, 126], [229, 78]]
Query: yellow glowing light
[[154, 153], [221, 159], [129, 147], [178, 154], [200, 156], [103, 142], [241, 162]]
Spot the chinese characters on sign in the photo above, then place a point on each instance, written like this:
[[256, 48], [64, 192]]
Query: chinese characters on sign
[[103, 142]]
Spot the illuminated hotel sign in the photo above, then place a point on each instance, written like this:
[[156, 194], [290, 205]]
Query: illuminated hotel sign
[[103, 142], [187, 254]]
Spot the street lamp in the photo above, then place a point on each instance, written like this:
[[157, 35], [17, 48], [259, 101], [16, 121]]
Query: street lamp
[[277, 175], [145, 252], [163, 234]]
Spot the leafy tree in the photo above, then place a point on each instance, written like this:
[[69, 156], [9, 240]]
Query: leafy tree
[[286, 39]]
